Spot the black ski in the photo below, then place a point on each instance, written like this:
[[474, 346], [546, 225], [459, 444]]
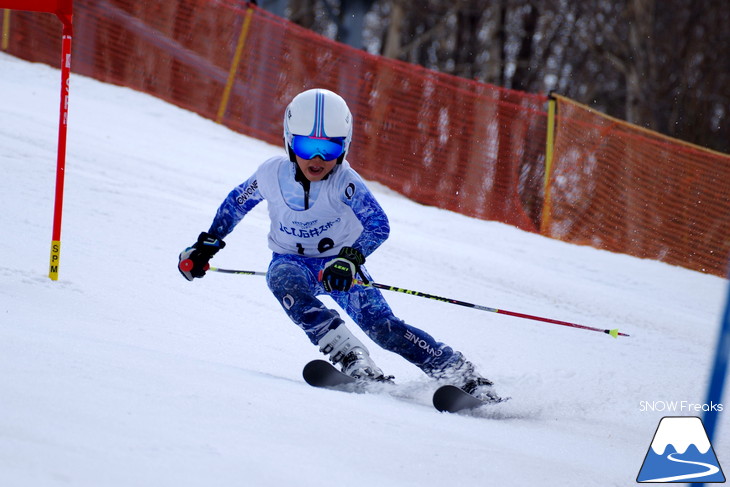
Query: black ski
[[451, 399], [448, 398], [320, 373]]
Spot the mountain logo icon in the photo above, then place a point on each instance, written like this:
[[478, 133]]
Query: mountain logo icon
[[680, 452]]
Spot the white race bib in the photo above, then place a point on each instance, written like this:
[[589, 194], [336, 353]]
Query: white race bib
[[320, 231]]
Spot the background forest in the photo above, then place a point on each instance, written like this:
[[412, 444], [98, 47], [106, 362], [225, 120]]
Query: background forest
[[664, 65]]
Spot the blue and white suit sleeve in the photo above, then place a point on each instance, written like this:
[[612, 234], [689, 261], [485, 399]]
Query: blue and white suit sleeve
[[372, 217], [236, 205]]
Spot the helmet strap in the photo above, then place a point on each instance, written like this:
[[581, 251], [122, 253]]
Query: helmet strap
[[300, 177]]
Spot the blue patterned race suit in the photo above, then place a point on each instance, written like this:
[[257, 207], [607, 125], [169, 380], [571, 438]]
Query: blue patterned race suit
[[305, 235]]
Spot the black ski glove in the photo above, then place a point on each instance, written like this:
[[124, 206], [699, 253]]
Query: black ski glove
[[339, 273], [193, 261]]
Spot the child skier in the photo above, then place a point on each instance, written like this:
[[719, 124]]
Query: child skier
[[324, 223]]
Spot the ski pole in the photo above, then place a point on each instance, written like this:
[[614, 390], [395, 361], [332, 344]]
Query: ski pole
[[613, 332], [233, 271]]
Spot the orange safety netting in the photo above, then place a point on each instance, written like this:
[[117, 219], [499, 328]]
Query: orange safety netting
[[438, 139], [619, 187]]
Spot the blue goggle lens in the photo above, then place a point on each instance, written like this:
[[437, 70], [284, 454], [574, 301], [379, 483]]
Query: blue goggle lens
[[311, 147]]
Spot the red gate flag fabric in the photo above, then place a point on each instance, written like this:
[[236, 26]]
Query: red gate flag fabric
[[52, 6]]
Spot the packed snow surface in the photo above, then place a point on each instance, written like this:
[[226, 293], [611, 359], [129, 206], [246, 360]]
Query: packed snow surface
[[122, 373]]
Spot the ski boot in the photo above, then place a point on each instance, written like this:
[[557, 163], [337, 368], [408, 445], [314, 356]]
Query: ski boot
[[462, 374], [345, 349]]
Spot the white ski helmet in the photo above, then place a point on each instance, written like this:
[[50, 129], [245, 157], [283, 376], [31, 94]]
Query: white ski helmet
[[319, 116]]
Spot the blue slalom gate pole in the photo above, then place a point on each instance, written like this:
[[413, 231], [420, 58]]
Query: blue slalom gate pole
[[719, 373]]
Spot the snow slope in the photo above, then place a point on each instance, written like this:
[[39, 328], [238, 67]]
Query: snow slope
[[124, 374]]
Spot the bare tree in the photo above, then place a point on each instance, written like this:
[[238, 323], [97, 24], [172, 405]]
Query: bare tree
[[663, 65], [302, 12]]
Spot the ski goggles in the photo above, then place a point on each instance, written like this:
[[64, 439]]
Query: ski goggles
[[310, 147]]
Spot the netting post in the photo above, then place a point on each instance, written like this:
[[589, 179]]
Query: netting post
[[549, 145], [6, 30], [234, 64]]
